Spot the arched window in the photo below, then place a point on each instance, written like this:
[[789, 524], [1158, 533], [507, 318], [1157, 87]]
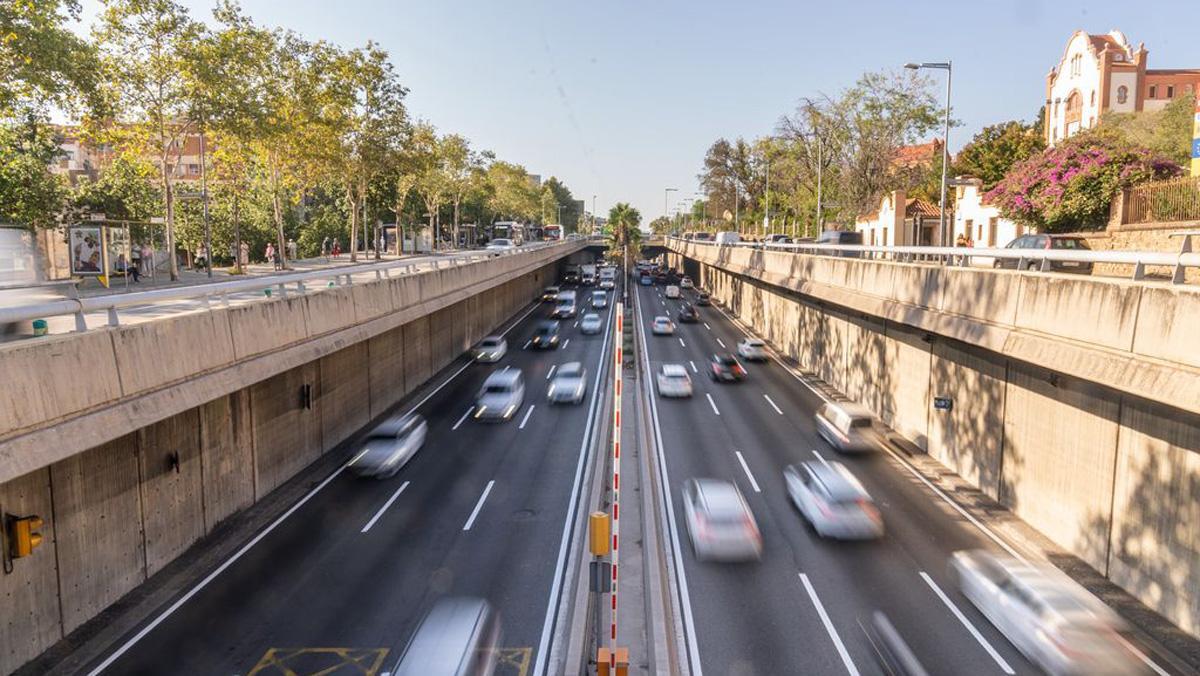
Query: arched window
[[1122, 94], [1093, 97]]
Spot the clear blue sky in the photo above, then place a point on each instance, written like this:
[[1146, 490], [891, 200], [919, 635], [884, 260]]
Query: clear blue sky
[[620, 98]]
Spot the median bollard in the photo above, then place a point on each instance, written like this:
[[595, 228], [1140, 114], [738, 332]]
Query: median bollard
[[40, 328], [605, 662]]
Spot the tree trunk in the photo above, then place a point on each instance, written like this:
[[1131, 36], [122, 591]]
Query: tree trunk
[[456, 202], [169, 199], [353, 199]]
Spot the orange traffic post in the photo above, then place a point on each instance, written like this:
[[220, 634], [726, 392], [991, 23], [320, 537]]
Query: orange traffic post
[[622, 662], [598, 533], [602, 657]]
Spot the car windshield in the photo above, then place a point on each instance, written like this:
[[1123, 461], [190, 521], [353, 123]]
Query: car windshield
[[490, 342]]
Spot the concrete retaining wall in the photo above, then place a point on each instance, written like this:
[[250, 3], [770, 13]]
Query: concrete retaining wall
[[1052, 380], [119, 511]]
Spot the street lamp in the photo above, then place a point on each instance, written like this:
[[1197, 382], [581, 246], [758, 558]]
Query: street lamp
[[593, 214], [945, 140], [666, 198]]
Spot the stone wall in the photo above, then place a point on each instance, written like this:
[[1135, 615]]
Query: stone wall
[[1141, 237]]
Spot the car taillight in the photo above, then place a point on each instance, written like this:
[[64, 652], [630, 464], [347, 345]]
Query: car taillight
[[751, 527], [869, 509], [739, 370]]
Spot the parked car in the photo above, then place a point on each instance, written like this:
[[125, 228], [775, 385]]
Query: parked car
[[672, 291], [832, 500], [591, 324], [847, 426], [390, 446], [662, 326], [550, 294], [719, 521], [703, 299], [674, 381], [459, 637], [752, 349], [545, 336], [777, 238], [501, 395], [1049, 617], [845, 237], [569, 384], [687, 314], [491, 349], [599, 299], [1048, 242], [726, 368]]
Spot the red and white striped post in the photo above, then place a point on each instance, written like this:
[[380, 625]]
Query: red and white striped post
[[616, 476]]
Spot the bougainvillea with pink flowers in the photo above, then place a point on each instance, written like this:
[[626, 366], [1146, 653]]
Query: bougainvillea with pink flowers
[[1069, 187]]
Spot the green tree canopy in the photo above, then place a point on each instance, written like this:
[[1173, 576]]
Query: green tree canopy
[[996, 149]]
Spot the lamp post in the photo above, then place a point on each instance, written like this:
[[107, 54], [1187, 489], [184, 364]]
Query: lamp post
[[593, 215], [666, 198], [945, 140]]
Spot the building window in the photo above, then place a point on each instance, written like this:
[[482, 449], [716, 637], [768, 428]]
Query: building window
[[1093, 97], [1122, 94], [993, 222], [1153, 92], [968, 228], [884, 238], [1170, 91], [193, 168]]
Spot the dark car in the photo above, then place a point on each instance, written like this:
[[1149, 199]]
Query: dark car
[[841, 237], [1045, 242], [726, 368], [545, 336], [687, 314], [703, 299]]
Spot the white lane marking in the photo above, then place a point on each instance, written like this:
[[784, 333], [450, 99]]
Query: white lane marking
[[772, 403], [681, 343], [720, 343], [526, 418], [707, 326], [551, 373], [384, 507], [837, 641], [576, 324], [967, 623], [712, 403], [566, 343], [693, 366], [479, 505], [746, 468], [464, 417], [527, 344]]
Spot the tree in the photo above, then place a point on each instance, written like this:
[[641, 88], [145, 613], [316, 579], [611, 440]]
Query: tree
[[1167, 132], [29, 194], [460, 165], [513, 194], [563, 198], [430, 175], [996, 149], [662, 226], [623, 235], [1070, 186], [42, 62]]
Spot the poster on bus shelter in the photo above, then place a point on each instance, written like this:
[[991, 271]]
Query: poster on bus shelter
[[86, 246]]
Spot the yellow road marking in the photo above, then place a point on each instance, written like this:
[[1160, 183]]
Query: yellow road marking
[[320, 662], [513, 661]]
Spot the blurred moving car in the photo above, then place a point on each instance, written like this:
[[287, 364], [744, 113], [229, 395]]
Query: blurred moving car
[[687, 314], [674, 381], [545, 336], [390, 446], [703, 299], [599, 299], [891, 651], [1048, 616], [569, 384], [491, 349], [662, 326], [646, 279], [726, 368], [685, 282], [847, 426], [590, 324], [842, 237], [719, 521], [459, 637], [550, 294], [833, 500], [501, 244], [777, 238], [672, 291], [564, 309], [501, 395], [752, 349], [1048, 242]]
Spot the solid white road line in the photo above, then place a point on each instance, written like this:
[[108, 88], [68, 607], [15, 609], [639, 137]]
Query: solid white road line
[[464, 417], [837, 641], [479, 505], [720, 343], [566, 343], [967, 623], [693, 366], [527, 344], [384, 507], [551, 373], [712, 403], [746, 468], [681, 343], [772, 404], [526, 418]]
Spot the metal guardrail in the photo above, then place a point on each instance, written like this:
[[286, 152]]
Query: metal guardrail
[[1036, 260], [220, 291]]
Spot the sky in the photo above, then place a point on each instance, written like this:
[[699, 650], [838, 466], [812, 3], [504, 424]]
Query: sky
[[620, 99]]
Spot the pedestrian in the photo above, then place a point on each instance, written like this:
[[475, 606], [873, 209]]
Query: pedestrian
[[325, 248], [961, 240], [337, 248], [271, 255], [291, 249]]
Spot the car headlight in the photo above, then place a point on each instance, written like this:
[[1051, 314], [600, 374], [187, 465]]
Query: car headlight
[[509, 411], [480, 410]]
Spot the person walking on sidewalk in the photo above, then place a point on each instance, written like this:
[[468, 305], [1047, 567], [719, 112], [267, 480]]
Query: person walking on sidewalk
[[271, 258], [291, 249], [337, 248], [325, 248]]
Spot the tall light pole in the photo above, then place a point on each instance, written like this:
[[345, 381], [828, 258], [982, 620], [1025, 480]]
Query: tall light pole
[[666, 198], [767, 217], [703, 203], [593, 215], [942, 235]]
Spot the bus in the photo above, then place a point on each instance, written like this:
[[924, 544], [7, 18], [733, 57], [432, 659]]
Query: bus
[[552, 233], [507, 230]]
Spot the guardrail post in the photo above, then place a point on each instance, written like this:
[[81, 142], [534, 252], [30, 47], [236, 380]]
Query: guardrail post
[[1139, 270], [206, 304], [349, 279], [224, 299], [378, 274], [300, 286], [80, 321], [1045, 266], [282, 290], [113, 320]]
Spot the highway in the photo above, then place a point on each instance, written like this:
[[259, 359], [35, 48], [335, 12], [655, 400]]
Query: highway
[[799, 609], [345, 577]]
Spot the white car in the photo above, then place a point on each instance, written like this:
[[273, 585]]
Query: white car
[[607, 283], [568, 385], [662, 326], [752, 349], [833, 501], [672, 291], [686, 283], [501, 395], [550, 294], [847, 426], [491, 349], [674, 381], [390, 446], [720, 522], [1049, 617], [599, 299], [501, 244], [590, 324]]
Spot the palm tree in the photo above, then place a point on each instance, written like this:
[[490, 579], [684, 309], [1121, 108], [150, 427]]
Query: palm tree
[[623, 234]]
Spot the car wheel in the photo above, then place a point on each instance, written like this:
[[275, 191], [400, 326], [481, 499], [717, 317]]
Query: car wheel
[[1032, 267]]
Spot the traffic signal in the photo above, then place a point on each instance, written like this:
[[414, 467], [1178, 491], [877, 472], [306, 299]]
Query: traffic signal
[[24, 535]]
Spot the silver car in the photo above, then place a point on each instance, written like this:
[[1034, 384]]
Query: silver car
[[491, 349], [833, 500], [569, 384], [459, 637], [591, 324], [501, 395], [390, 446], [719, 521], [1049, 617], [674, 381], [847, 426], [662, 326]]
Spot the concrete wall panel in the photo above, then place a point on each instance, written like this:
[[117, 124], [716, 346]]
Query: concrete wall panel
[[54, 375], [151, 354], [171, 484], [1105, 314], [31, 621], [867, 377], [417, 358], [904, 399], [968, 438], [385, 353], [287, 435], [344, 394], [330, 309], [227, 446], [98, 528], [1168, 323], [259, 327]]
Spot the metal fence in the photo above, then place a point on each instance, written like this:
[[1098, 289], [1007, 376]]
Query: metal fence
[[1164, 201]]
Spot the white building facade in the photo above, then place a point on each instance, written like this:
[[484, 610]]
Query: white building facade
[[980, 223]]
